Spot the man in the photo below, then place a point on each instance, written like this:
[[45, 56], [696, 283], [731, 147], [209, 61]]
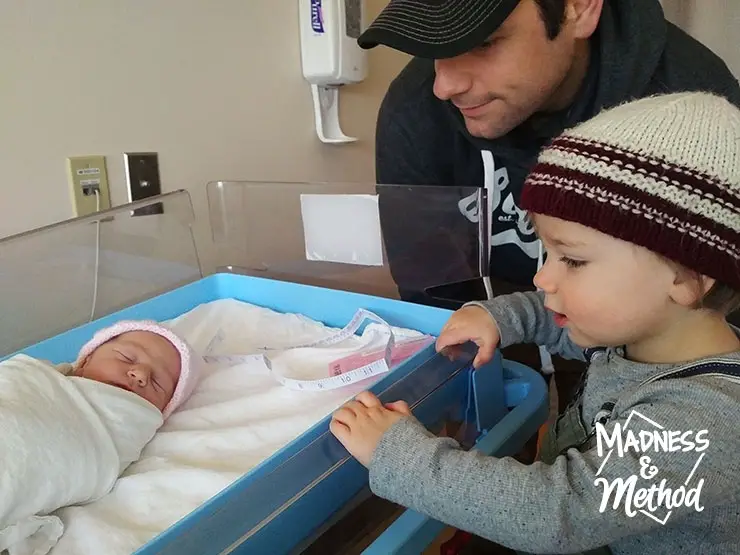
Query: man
[[491, 82]]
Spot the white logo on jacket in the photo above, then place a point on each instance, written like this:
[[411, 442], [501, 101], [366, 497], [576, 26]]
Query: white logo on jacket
[[496, 184]]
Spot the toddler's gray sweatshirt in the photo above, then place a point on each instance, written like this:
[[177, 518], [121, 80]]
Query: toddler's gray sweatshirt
[[541, 508]]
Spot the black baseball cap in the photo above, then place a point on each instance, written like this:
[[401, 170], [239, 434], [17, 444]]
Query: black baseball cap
[[436, 28]]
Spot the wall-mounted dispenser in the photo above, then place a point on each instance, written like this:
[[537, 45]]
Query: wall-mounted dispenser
[[331, 58]]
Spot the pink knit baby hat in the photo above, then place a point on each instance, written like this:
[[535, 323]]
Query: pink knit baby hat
[[189, 360]]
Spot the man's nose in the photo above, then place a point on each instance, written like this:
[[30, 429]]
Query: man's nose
[[450, 79], [139, 375]]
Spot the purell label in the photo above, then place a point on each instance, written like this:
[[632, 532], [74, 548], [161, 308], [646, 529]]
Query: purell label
[[317, 17]]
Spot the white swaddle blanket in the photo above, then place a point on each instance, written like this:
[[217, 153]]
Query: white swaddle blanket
[[64, 441]]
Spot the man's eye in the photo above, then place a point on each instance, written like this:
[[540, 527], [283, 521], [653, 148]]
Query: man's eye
[[488, 43], [492, 41]]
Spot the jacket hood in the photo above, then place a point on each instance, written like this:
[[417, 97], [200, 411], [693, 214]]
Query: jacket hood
[[631, 39]]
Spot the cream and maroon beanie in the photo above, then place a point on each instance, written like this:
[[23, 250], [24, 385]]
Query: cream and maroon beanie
[[661, 172]]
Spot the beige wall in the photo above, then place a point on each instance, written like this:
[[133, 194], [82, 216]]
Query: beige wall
[[716, 23], [202, 83]]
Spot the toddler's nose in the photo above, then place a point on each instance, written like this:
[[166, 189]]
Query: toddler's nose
[[546, 278]]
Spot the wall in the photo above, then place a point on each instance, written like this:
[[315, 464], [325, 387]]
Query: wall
[[214, 87], [716, 23]]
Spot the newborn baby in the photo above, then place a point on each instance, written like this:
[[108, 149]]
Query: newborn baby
[[69, 431], [142, 357]]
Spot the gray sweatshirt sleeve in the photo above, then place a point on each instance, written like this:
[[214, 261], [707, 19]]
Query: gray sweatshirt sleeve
[[556, 508], [523, 318]]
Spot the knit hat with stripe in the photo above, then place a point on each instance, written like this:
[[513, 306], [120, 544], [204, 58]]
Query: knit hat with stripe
[[661, 172]]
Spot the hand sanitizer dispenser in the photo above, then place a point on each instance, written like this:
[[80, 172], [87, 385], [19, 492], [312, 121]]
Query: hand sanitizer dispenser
[[330, 57]]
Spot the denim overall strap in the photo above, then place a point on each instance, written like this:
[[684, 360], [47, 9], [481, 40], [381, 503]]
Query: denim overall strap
[[568, 429], [724, 368]]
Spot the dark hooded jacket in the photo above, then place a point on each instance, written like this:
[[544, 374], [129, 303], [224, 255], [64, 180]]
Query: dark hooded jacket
[[431, 236]]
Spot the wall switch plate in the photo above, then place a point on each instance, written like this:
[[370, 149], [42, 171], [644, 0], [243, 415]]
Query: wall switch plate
[[86, 175], [142, 178]]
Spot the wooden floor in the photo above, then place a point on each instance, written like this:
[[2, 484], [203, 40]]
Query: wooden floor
[[357, 530], [353, 534]]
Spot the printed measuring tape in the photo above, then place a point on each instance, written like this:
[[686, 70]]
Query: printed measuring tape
[[345, 378]]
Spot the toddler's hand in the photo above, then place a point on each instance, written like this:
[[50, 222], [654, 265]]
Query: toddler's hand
[[360, 424], [471, 323]]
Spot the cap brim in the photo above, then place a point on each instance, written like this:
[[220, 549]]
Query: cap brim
[[436, 30]]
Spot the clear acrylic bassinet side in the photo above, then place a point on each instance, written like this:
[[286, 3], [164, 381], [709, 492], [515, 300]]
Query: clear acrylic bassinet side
[[69, 273], [383, 240]]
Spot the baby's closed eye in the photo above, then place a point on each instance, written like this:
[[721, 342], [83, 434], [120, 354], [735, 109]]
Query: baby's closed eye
[[125, 357]]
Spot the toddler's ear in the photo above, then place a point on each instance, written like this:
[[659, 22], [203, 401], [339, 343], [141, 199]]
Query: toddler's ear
[[690, 288]]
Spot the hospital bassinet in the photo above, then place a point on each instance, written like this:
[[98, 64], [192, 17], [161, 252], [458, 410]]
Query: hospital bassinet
[[62, 282]]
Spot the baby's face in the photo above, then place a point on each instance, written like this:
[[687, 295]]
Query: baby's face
[[142, 362]]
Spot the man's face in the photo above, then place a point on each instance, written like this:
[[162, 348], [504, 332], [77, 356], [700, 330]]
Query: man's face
[[519, 71]]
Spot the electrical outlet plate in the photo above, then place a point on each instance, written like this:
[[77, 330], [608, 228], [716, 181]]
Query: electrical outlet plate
[[142, 178], [85, 174]]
